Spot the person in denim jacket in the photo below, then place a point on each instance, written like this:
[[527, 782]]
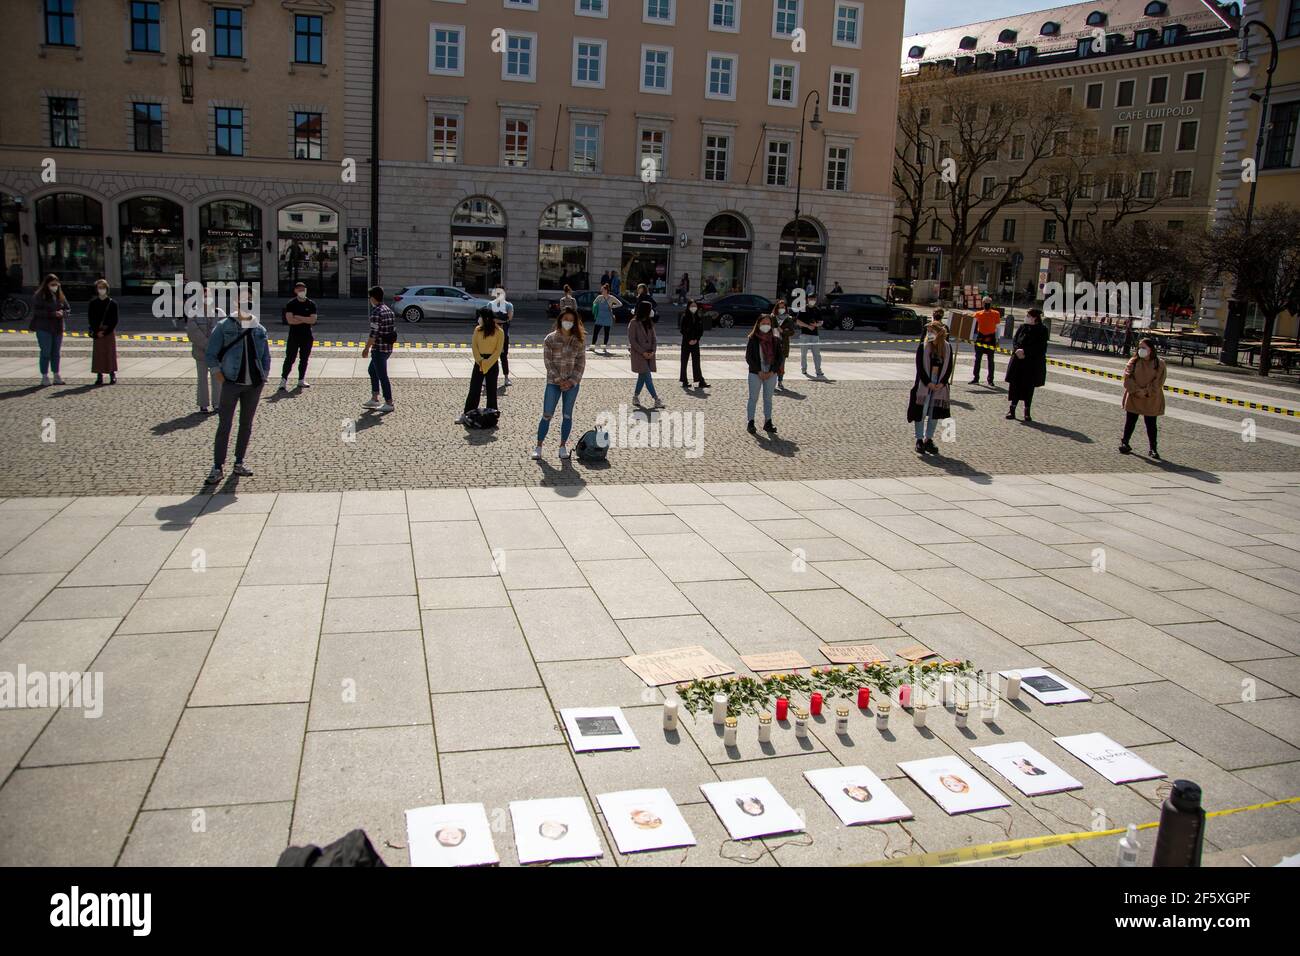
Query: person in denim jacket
[[240, 353]]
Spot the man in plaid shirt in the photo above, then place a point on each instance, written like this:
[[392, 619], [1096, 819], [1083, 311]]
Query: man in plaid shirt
[[379, 346]]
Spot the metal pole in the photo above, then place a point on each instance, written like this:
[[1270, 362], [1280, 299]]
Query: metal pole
[[798, 191]]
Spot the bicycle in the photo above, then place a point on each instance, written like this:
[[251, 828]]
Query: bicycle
[[14, 308]]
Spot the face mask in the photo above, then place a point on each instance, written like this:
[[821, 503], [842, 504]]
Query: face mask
[[765, 329], [567, 326], [780, 311], [812, 303], [54, 290], [102, 293], [301, 296], [929, 339], [1144, 353], [694, 310]]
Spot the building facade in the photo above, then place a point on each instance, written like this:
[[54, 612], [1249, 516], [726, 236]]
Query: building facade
[[1278, 173], [139, 140], [534, 143], [1153, 78]]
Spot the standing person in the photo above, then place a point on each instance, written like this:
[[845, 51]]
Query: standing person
[[643, 295], [692, 328], [763, 356], [837, 290], [810, 326], [615, 282], [379, 349], [1144, 394], [809, 288], [240, 353], [485, 348], [101, 317], [567, 301], [50, 310], [604, 278], [987, 322], [565, 357], [683, 289], [199, 329], [299, 313], [641, 344], [710, 287], [504, 313], [1027, 369], [602, 310], [785, 329], [929, 400]]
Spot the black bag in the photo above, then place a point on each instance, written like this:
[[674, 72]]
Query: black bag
[[594, 445], [354, 849], [482, 418]]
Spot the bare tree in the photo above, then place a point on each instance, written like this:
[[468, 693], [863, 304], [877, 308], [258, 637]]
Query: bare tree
[[914, 171]]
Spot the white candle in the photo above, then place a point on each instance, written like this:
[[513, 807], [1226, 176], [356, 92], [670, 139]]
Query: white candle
[[948, 689], [729, 734], [963, 712], [842, 721], [1013, 685], [801, 723], [670, 715], [918, 714], [882, 713], [764, 727], [719, 707], [988, 711]]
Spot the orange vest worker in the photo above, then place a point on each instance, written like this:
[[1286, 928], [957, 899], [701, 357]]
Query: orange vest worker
[[987, 321]]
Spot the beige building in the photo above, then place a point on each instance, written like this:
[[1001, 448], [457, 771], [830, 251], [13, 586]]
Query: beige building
[[538, 142], [1153, 75], [119, 158]]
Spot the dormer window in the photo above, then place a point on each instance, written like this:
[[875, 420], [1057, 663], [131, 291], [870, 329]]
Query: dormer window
[[968, 43], [1096, 19], [1007, 36], [1114, 42], [983, 61], [1172, 34], [916, 53], [1156, 8], [1144, 39], [964, 63], [1050, 29], [1025, 55]]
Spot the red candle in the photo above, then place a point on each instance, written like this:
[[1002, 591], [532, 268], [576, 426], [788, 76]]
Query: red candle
[[782, 708], [815, 704], [905, 695], [864, 698]]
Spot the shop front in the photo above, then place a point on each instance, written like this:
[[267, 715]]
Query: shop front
[[991, 269], [308, 251], [803, 250], [151, 241], [10, 244], [647, 250], [1052, 266], [727, 245], [70, 241], [230, 241], [478, 245], [564, 248]]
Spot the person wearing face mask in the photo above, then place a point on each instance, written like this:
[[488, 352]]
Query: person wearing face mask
[[504, 312], [602, 311], [763, 356], [692, 328], [784, 327], [810, 328], [567, 301], [642, 345], [49, 313], [485, 348], [643, 295], [565, 357], [379, 349], [1027, 369], [299, 313], [101, 317], [239, 351], [198, 329], [930, 396], [1144, 394]]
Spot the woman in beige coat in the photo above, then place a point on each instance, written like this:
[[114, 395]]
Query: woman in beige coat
[[642, 345], [1144, 394]]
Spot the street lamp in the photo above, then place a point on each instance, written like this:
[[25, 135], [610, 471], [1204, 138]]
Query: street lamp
[[798, 189], [1241, 68]]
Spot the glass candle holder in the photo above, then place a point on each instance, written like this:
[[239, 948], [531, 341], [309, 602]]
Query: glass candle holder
[[842, 721], [962, 713], [782, 709], [764, 727], [864, 698], [883, 707], [801, 723], [815, 704], [918, 714], [729, 732], [719, 708]]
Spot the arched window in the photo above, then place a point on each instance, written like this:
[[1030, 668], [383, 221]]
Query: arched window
[[70, 241], [916, 53], [563, 248], [968, 43], [478, 211], [308, 248], [727, 245], [1156, 8], [478, 244], [151, 240], [1007, 36], [230, 241], [1096, 19], [1050, 29], [647, 250], [802, 252]]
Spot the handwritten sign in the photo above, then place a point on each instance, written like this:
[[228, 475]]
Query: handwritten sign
[[915, 653], [853, 653], [774, 661], [676, 666]]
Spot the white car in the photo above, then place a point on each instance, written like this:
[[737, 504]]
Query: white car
[[415, 303]]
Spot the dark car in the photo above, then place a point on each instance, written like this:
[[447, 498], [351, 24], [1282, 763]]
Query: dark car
[[853, 310], [735, 309], [585, 300]]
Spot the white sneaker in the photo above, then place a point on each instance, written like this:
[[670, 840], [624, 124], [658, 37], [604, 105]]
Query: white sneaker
[[373, 403], [45, 380], [564, 452], [303, 383], [386, 407], [537, 453], [461, 420], [508, 382], [58, 379], [284, 385]]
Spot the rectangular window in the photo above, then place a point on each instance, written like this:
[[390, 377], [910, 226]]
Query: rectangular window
[[1049, 230], [1124, 94], [1018, 146], [1193, 87], [65, 123], [308, 33], [228, 35], [1182, 184], [586, 147], [1153, 138], [844, 90], [785, 17], [146, 27], [445, 54], [516, 143], [1086, 181], [307, 136], [517, 64], [1008, 230], [1116, 185], [588, 62], [988, 187], [658, 11], [522, 4], [1147, 185], [939, 191], [656, 69], [60, 23], [1060, 143], [935, 226], [724, 15], [983, 234], [653, 142], [591, 8], [783, 89], [1188, 133], [148, 127], [778, 163], [1088, 142], [1094, 93], [848, 20], [717, 151], [837, 168], [444, 145], [230, 131], [1119, 140], [1279, 151], [1158, 93], [1293, 20], [722, 77]]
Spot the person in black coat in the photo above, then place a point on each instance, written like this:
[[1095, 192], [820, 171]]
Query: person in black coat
[[1027, 369], [101, 318], [692, 328]]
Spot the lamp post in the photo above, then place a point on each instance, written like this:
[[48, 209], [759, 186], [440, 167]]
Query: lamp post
[[798, 189], [1241, 69]]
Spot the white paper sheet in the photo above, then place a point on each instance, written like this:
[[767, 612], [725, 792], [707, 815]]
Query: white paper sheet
[[1027, 770], [954, 784], [598, 728], [555, 829], [1117, 764], [452, 834], [645, 820], [751, 808], [857, 795], [1047, 687]]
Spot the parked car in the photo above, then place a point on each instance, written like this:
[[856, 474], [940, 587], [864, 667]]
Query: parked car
[[853, 310], [585, 301], [415, 303], [735, 309]]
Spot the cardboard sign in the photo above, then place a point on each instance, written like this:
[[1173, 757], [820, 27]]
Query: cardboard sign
[[916, 652], [853, 654], [680, 665], [774, 661]]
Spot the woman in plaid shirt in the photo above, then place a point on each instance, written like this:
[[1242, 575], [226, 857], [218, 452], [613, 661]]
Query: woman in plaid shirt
[[565, 354], [379, 346]]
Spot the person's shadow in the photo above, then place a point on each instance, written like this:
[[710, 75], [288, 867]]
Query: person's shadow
[[1060, 432], [79, 389], [192, 420], [22, 392], [367, 421]]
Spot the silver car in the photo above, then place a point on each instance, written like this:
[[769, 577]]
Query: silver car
[[415, 303]]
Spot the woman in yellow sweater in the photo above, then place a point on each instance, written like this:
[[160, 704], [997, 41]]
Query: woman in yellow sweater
[[486, 347]]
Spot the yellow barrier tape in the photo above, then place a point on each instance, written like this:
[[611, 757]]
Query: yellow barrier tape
[[1006, 848], [323, 342]]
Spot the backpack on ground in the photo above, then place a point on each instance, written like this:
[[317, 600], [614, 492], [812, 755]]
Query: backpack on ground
[[351, 850], [482, 418], [594, 445]]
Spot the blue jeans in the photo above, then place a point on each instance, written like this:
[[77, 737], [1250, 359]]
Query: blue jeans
[[379, 375], [553, 397], [926, 421], [768, 387], [51, 344], [644, 380]]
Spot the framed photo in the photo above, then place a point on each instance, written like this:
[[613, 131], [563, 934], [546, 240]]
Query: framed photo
[[1027, 770], [556, 829], [598, 728], [454, 834], [857, 795], [1117, 764], [1048, 688], [751, 808], [645, 820], [953, 785]]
